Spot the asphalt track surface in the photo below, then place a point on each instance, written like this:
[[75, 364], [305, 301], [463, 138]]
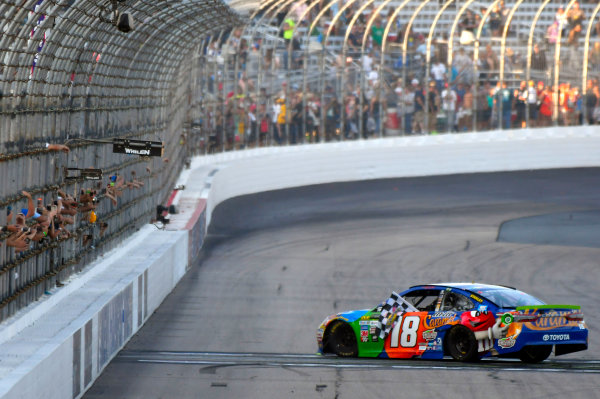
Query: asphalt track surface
[[242, 322]]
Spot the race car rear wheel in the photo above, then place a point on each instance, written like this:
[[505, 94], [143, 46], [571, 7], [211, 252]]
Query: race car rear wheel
[[342, 340], [461, 344], [535, 353]]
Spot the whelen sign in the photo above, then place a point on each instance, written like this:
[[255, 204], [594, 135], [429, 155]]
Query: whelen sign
[[138, 147]]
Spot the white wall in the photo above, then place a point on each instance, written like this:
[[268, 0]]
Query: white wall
[[41, 359], [247, 172]]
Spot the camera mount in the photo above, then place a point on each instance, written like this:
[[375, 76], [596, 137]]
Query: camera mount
[[122, 20], [85, 173]]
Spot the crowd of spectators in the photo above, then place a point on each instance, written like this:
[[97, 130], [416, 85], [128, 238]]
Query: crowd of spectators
[[41, 222], [400, 96]]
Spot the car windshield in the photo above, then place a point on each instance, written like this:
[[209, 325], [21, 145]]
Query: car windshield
[[509, 298]]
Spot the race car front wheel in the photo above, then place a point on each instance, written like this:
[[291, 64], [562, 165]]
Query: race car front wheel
[[342, 340], [461, 344], [535, 353]]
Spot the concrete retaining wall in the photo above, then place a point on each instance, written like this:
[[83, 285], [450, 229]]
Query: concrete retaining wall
[[248, 172], [86, 322], [58, 347]]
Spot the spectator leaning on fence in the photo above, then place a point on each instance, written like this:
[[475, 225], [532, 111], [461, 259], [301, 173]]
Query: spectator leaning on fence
[[532, 103], [466, 112], [433, 104], [438, 72], [419, 116], [591, 102], [449, 100], [57, 147], [546, 105], [408, 106], [521, 103], [21, 235], [51, 221], [504, 104]]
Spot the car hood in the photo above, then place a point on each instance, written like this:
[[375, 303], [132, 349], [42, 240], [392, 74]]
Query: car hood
[[351, 315]]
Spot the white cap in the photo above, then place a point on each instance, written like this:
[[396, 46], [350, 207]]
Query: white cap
[[415, 82]]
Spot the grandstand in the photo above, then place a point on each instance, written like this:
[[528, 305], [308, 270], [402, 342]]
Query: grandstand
[[333, 57]]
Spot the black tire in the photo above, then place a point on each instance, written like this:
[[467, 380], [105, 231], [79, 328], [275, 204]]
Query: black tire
[[535, 353], [341, 340], [460, 343]]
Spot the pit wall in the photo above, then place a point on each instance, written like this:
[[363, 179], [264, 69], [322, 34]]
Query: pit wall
[[58, 347]]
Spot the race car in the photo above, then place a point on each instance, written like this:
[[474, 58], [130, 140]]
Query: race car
[[466, 321]]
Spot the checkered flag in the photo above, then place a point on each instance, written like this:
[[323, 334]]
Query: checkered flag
[[393, 307]]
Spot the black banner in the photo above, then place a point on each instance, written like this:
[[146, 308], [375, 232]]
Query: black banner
[[138, 147]]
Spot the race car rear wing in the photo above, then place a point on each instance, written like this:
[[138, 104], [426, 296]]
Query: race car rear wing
[[533, 313]]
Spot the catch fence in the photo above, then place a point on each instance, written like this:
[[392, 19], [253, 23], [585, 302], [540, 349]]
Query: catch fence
[[201, 78]]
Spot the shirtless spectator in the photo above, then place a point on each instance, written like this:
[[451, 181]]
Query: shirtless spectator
[[21, 233], [20, 240], [103, 227], [87, 201], [114, 188], [57, 147], [57, 228], [69, 204], [30, 208], [18, 225], [134, 183]]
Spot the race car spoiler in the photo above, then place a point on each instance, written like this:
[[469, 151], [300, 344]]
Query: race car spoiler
[[573, 312]]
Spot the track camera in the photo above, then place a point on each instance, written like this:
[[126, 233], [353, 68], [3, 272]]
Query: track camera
[[124, 21]]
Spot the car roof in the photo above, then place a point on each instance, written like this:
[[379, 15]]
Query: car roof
[[466, 286]]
